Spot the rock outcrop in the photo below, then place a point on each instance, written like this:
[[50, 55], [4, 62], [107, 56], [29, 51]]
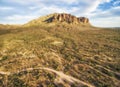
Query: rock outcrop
[[59, 18], [67, 18]]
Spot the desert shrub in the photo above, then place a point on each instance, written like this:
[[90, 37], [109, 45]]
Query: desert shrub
[[55, 64], [73, 85], [51, 85], [85, 86], [115, 67], [68, 57], [96, 57], [16, 82], [4, 58], [50, 76], [103, 84], [1, 81], [108, 73]]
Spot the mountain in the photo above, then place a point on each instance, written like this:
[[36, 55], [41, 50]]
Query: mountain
[[59, 50], [60, 18], [68, 18]]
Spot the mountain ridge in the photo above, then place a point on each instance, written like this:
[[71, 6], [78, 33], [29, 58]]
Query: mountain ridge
[[64, 17], [59, 18]]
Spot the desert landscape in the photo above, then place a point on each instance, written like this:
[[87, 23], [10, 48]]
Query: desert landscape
[[59, 43], [59, 50]]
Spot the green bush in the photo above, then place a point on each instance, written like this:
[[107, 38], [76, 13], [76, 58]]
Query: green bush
[[16, 82], [4, 58]]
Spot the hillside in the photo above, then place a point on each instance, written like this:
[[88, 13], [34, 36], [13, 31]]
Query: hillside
[[59, 18], [59, 53]]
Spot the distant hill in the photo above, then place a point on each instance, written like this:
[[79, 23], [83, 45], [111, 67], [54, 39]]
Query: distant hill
[[8, 26], [60, 18]]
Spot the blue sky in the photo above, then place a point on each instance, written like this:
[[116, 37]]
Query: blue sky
[[102, 13]]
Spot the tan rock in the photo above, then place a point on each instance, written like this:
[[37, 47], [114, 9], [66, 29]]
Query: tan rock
[[63, 17]]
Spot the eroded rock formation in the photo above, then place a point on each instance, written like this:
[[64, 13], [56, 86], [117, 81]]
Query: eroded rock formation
[[67, 18]]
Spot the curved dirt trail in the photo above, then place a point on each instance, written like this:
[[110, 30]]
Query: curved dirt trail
[[62, 76]]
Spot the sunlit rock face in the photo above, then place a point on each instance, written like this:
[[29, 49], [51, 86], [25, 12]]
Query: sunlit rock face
[[63, 17]]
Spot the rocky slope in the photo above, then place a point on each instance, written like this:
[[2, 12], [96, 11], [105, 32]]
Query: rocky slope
[[67, 18], [59, 18]]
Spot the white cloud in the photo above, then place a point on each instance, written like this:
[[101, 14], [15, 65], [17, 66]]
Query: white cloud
[[40, 1], [6, 8], [106, 22], [69, 1], [24, 2], [18, 17], [105, 1], [89, 5], [14, 19], [113, 12], [107, 18], [92, 6]]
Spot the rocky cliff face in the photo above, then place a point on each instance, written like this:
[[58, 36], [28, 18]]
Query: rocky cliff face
[[59, 18], [67, 18]]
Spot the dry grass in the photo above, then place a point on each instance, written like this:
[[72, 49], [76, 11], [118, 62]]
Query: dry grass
[[86, 53]]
